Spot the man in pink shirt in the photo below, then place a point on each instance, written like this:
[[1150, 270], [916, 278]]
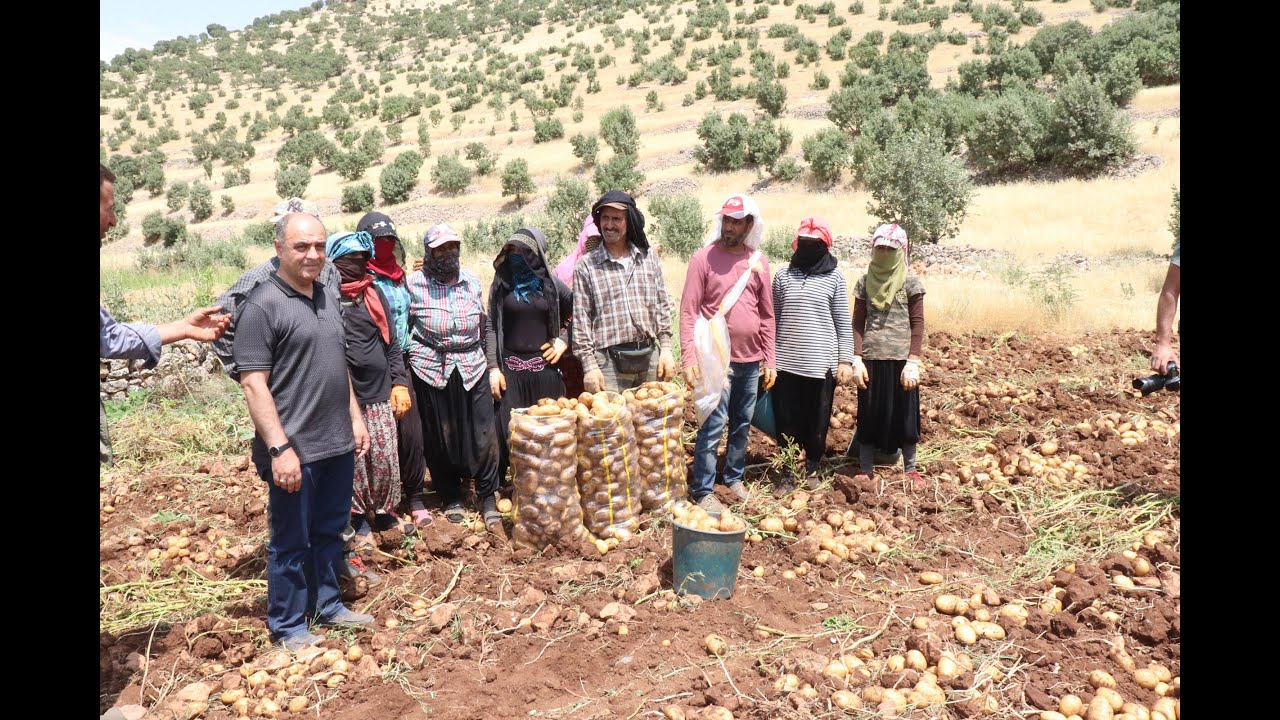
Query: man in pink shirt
[[713, 271]]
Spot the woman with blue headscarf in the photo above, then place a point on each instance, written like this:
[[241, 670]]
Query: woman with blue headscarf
[[378, 378], [529, 310]]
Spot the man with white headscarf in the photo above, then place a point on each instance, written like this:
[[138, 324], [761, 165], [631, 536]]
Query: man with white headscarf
[[731, 253]]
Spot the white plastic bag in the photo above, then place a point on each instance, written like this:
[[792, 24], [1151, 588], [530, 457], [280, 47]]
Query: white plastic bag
[[711, 342]]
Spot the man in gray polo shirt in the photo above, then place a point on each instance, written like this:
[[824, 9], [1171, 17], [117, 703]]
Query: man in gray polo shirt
[[289, 350]]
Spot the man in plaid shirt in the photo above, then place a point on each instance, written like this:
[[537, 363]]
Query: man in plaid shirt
[[621, 312]]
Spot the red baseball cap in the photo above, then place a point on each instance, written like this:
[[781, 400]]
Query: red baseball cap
[[734, 208]]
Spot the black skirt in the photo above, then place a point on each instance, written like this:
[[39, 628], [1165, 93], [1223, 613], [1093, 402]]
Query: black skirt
[[802, 409], [458, 436], [524, 388], [888, 416]]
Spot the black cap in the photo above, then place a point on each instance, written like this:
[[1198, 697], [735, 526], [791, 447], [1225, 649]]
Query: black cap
[[377, 225]]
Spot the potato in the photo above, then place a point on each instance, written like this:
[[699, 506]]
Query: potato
[[546, 502], [673, 712], [930, 578], [716, 645], [1052, 715], [1166, 707], [966, 634], [787, 683], [988, 630], [1102, 679], [947, 667], [946, 604], [771, 524], [1146, 678], [915, 660], [1070, 705], [715, 712], [1112, 697], [1099, 709], [1136, 711], [1018, 614], [846, 700]]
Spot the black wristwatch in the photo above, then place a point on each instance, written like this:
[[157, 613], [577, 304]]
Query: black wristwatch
[[278, 449]]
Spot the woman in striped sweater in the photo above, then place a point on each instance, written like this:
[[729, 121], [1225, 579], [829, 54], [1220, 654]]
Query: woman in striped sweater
[[814, 341]]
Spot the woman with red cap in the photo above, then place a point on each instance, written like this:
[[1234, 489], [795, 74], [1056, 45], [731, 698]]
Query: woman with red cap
[[888, 330], [814, 341]]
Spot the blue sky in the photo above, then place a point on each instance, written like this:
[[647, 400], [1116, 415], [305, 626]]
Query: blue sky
[[142, 23]]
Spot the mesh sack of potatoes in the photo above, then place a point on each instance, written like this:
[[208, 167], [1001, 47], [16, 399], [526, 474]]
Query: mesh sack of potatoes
[[608, 475], [544, 441], [657, 411]]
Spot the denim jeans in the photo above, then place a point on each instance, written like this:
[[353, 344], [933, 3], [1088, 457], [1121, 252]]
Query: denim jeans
[[735, 409], [305, 550]]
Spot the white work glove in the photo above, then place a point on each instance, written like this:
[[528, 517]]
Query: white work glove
[[552, 351], [911, 374], [860, 375]]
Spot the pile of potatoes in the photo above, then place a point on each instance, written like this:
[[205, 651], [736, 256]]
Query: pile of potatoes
[[1109, 704], [831, 540], [1131, 430], [844, 416], [987, 396], [281, 686], [691, 515], [998, 467], [861, 669], [608, 468], [544, 461], [657, 410]]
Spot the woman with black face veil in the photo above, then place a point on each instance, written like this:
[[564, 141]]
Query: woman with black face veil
[[814, 341], [529, 310], [447, 356]]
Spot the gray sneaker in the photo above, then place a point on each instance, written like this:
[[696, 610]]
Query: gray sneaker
[[711, 505], [297, 641], [346, 616], [740, 491]]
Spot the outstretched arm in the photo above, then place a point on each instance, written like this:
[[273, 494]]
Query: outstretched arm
[[1165, 310]]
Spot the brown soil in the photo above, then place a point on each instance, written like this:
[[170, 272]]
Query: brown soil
[[541, 634]]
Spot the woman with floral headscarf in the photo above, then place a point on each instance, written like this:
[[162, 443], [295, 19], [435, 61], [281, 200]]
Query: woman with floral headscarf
[[814, 341], [888, 331], [570, 366], [378, 378], [528, 332]]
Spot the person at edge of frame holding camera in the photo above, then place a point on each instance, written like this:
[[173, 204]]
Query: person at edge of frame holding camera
[[1164, 360]]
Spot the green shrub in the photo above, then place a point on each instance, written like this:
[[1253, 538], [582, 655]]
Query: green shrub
[[1008, 132], [547, 130], [827, 153], [724, 144], [450, 175], [357, 198], [676, 223], [1086, 133], [619, 173], [292, 181], [516, 179], [200, 201], [585, 148], [915, 183], [396, 182]]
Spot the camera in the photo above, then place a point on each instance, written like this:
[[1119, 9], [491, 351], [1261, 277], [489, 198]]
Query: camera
[[1171, 380]]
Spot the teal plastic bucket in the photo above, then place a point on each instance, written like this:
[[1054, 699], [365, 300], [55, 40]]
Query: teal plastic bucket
[[705, 563]]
